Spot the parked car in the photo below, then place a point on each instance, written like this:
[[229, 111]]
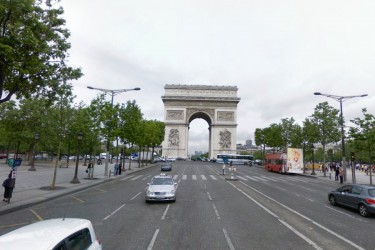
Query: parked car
[[357, 196], [166, 166], [64, 233], [161, 188]]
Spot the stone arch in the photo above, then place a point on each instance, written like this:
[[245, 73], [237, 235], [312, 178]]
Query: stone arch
[[217, 105]]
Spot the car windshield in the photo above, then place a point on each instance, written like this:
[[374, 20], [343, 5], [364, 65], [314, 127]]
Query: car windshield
[[162, 181]]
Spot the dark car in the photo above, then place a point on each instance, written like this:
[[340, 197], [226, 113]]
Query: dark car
[[166, 166], [357, 196]]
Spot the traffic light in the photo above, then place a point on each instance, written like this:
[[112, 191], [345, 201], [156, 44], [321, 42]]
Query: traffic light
[[352, 156]]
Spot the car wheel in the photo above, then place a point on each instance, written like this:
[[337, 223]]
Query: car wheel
[[363, 210], [332, 200]]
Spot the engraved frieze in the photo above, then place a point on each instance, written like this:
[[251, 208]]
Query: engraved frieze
[[175, 114], [225, 116]]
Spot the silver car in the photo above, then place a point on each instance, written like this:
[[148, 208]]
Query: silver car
[[356, 196], [161, 188]]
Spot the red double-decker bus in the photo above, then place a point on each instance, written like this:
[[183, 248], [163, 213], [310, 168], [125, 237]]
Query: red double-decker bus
[[291, 162], [276, 162]]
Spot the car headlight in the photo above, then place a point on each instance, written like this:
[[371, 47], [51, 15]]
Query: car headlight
[[150, 192], [172, 192]]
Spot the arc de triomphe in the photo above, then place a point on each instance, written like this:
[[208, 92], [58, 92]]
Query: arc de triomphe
[[215, 104]]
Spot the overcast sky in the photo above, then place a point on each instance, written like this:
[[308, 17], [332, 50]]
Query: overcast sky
[[278, 53]]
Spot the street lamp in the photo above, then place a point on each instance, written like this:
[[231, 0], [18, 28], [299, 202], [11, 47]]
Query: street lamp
[[36, 137], [112, 92], [75, 178], [341, 99]]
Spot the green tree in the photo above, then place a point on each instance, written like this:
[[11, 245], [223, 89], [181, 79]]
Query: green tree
[[33, 50], [327, 120]]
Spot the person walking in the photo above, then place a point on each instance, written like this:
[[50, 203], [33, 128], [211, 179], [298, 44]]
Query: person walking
[[8, 185], [90, 168], [115, 168], [341, 173], [337, 172]]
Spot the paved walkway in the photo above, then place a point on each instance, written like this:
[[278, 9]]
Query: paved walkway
[[33, 187]]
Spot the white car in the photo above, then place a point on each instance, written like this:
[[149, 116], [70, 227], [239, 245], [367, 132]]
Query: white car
[[161, 188], [64, 233]]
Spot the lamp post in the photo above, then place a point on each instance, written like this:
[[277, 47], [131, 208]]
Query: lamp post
[[32, 168], [112, 92], [341, 99], [79, 139]]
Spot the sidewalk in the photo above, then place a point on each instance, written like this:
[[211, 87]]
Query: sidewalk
[[360, 177], [33, 187]]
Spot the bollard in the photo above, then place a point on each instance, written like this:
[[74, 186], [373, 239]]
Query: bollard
[[109, 174], [330, 175]]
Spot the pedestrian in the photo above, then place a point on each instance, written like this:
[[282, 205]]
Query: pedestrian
[[119, 168], [337, 172], [8, 185], [115, 168], [89, 169], [341, 174], [99, 162]]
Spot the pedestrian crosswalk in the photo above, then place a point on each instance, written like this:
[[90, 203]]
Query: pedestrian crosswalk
[[213, 177]]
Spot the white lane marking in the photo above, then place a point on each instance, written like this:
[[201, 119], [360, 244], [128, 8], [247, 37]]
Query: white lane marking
[[165, 213], [135, 196], [148, 176], [194, 177], [203, 177], [151, 245], [251, 178], [305, 217], [277, 217], [240, 177], [127, 177], [209, 196], [230, 244], [268, 178], [107, 217], [137, 177], [260, 178], [175, 177], [216, 212], [213, 177], [184, 177], [351, 216]]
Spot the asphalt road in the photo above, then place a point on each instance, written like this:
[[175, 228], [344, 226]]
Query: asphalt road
[[261, 210]]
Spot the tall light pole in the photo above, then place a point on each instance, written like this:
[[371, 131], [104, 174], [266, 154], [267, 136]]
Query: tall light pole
[[112, 92], [79, 139], [341, 99]]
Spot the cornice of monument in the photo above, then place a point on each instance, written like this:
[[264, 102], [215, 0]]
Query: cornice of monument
[[200, 87]]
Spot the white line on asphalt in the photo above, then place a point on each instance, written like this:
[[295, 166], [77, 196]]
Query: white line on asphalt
[[276, 216], [216, 212], [209, 196], [175, 177], [240, 177], [351, 216], [251, 178], [151, 245], [114, 212], [303, 216], [213, 177], [230, 244], [203, 177], [184, 177], [260, 178], [165, 213], [137, 177], [135, 196], [127, 177], [194, 177]]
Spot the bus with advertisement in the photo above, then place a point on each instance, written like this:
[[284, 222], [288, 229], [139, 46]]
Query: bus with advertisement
[[289, 162], [235, 159]]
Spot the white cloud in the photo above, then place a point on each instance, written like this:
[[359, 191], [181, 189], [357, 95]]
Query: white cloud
[[278, 53]]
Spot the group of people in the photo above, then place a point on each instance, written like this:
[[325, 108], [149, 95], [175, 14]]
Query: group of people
[[339, 173]]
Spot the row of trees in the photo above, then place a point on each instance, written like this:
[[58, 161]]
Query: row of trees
[[33, 71], [322, 127], [59, 123]]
